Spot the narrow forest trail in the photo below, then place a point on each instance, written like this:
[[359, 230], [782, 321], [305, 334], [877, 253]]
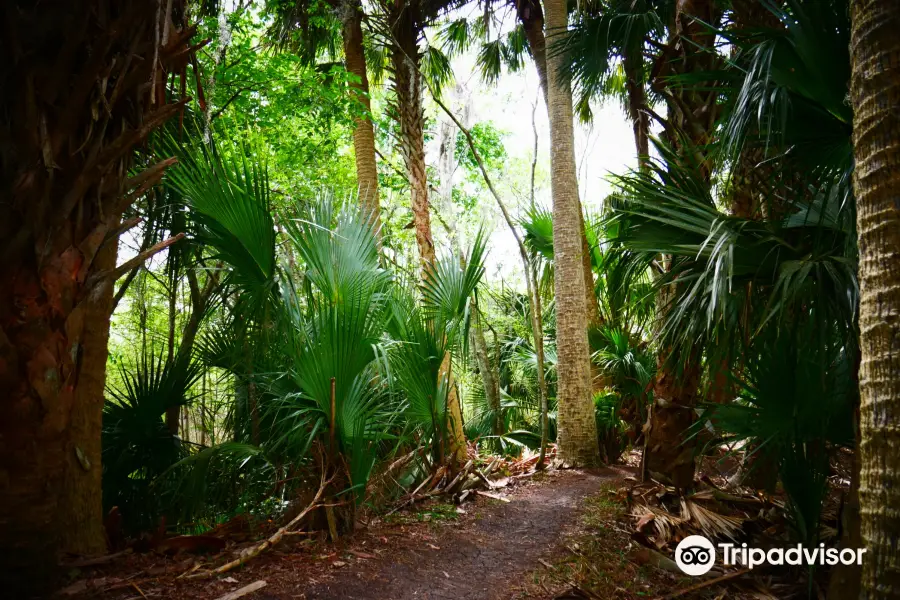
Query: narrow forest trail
[[490, 551], [489, 556]]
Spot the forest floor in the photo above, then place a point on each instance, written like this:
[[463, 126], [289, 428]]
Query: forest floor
[[554, 535]]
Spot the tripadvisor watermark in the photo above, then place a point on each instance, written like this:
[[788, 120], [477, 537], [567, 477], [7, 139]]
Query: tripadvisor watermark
[[696, 555]]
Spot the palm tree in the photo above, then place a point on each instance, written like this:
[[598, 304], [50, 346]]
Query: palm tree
[[298, 28], [875, 93], [681, 76], [346, 359], [75, 102], [779, 288], [616, 29], [405, 22], [577, 429], [363, 131]]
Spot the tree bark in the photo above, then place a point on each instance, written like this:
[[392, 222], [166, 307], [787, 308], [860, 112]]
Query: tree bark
[[692, 111], [363, 131], [74, 103], [576, 426], [405, 58], [532, 18], [875, 93], [408, 88], [637, 104], [488, 374]]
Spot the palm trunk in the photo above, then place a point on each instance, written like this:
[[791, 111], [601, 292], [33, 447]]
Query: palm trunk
[[408, 88], [637, 103], [363, 132], [576, 425], [875, 93], [65, 193], [488, 374], [537, 327], [668, 452], [532, 19]]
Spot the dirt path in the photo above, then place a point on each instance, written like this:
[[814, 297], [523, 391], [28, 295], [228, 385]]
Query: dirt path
[[488, 557], [491, 552]]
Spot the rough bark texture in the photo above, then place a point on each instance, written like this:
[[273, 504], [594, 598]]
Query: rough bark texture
[[875, 93], [668, 456], [592, 307], [82, 83], [576, 426], [405, 27], [693, 109], [486, 369], [637, 104], [532, 18], [408, 88], [363, 132], [692, 113]]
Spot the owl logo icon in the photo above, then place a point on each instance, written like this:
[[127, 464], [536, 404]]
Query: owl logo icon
[[695, 555]]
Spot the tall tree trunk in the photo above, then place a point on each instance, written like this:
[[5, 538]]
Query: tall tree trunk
[[537, 327], [74, 102], [667, 455], [486, 369], [576, 425], [692, 111], [405, 60], [637, 104], [875, 93], [408, 86], [363, 131], [532, 18]]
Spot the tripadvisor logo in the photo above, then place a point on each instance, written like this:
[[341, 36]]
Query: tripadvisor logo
[[696, 555]]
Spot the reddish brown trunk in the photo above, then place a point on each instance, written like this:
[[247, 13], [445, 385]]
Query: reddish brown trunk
[[363, 132], [693, 112], [668, 454], [408, 87], [405, 24], [65, 157]]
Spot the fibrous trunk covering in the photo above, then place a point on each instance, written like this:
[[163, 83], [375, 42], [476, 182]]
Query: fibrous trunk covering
[[669, 450], [363, 131], [577, 428], [405, 59], [82, 82], [875, 92], [408, 88]]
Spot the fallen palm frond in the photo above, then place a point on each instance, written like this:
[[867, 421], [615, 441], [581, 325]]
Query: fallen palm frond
[[272, 540], [665, 523], [673, 517], [497, 473], [711, 523]]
